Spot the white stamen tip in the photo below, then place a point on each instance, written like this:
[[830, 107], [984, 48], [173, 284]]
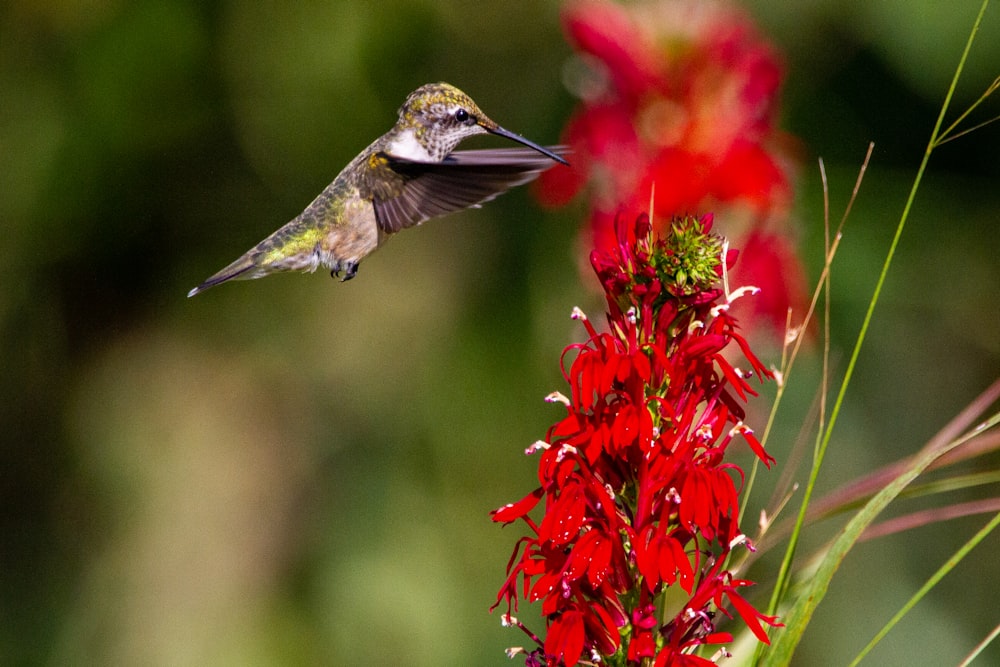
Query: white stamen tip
[[564, 451], [536, 446], [557, 397]]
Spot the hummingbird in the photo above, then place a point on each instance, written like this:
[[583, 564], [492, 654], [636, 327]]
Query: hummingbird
[[408, 175]]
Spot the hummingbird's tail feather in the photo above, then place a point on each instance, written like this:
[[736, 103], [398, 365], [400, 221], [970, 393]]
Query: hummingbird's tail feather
[[234, 271]]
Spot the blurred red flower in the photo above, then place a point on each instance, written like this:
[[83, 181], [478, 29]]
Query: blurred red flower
[[681, 96]]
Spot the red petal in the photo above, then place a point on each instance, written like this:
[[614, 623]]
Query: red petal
[[750, 615], [564, 518], [565, 637], [514, 511]]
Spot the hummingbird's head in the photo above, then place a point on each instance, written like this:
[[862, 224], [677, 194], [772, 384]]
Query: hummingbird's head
[[440, 115]]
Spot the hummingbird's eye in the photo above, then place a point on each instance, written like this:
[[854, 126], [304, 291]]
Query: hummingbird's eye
[[461, 115]]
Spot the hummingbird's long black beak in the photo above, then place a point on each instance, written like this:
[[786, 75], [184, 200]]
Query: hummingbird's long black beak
[[499, 131]]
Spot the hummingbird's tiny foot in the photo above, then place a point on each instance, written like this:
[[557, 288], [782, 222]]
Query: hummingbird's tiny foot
[[350, 270], [344, 271]]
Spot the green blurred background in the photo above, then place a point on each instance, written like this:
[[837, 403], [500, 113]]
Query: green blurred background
[[296, 471]]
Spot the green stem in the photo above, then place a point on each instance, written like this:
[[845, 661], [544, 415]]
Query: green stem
[[947, 567], [784, 575]]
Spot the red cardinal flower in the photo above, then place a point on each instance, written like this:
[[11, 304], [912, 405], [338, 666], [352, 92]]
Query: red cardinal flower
[[636, 494], [679, 108]]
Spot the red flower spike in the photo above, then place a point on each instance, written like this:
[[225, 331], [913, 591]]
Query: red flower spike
[[638, 496]]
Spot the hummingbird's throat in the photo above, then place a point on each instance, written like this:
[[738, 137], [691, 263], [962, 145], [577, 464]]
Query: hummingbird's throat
[[406, 145]]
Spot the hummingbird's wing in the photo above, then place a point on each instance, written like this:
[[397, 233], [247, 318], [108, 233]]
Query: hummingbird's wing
[[424, 190]]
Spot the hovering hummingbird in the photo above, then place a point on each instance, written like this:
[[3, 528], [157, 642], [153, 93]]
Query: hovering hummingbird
[[406, 176]]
